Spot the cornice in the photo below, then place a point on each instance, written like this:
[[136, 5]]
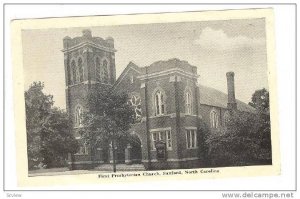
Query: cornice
[[88, 43], [168, 72]]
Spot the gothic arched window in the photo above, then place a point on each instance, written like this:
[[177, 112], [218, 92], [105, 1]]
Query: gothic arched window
[[80, 69], [214, 119], [73, 75], [70, 79], [105, 71], [78, 116], [135, 101], [97, 67], [188, 102], [159, 103]]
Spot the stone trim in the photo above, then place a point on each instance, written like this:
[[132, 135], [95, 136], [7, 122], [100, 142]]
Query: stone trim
[[86, 44], [191, 128], [160, 129], [167, 72]]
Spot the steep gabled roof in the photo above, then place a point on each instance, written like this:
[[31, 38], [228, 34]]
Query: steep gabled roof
[[214, 97], [130, 66], [208, 95]]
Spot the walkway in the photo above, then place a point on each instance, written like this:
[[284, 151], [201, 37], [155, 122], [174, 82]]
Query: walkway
[[104, 168]]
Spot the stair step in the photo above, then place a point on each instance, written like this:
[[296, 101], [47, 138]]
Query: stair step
[[121, 167]]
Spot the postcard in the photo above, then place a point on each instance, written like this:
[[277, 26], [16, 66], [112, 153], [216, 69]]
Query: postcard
[[121, 98]]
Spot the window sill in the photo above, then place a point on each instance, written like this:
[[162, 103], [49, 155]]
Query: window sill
[[192, 148]]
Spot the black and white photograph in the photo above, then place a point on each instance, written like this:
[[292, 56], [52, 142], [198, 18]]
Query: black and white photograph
[[184, 95], [142, 97]]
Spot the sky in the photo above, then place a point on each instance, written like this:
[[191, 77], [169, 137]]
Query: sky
[[215, 47]]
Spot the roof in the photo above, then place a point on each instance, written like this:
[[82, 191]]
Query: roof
[[164, 65], [87, 38], [208, 95], [129, 66], [214, 97]]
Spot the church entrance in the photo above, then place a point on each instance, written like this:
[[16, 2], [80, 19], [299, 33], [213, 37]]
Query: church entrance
[[127, 151], [135, 149]]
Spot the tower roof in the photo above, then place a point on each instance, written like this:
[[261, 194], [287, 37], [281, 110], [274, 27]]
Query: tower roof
[[87, 38]]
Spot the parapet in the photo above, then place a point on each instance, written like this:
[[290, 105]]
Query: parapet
[[69, 42]]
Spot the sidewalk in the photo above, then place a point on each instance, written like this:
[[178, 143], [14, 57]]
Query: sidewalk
[[105, 168]]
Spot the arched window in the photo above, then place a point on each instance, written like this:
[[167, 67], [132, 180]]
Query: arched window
[[105, 71], [80, 69], [159, 103], [214, 119], [226, 118], [78, 116], [102, 70], [188, 102], [97, 67], [135, 101], [73, 68], [70, 79], [83, 149]]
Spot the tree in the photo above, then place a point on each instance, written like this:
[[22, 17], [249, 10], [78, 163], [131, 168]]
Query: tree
[[238, 143], [57, 140], [260, 100], [109, 119], [48, 134], [246, 139], [203, 135]]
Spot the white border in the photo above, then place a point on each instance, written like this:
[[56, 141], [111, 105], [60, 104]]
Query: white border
[[284, 16]]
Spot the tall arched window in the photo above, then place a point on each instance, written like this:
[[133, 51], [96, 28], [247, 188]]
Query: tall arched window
[[80, 69], [159, 103], [70, 79], [214, 119], [73, 68], [97, 68], [188, 102], [78, 116], [105, 71]]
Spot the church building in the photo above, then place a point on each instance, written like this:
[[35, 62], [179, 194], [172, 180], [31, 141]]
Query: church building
[[168, 101]]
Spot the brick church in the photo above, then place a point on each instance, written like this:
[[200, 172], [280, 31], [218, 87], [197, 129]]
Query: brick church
[[168, 101]]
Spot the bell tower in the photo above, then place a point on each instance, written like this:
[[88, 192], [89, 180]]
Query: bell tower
[[89, 65]]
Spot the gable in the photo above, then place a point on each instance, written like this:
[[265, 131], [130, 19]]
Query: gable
[[128, 81]]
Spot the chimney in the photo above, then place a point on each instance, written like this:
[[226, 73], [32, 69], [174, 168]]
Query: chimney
[[231, 93]]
